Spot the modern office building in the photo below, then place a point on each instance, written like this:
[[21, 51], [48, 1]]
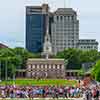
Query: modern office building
[[88, 44], [36, 27], [64, 29]]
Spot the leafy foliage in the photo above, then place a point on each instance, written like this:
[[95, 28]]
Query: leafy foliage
[[12, 59], [76, 57], [81, 72], [16, 58], [96, 71]]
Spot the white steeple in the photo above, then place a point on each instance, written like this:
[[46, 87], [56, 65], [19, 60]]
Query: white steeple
[[47, 44], [47, 48]]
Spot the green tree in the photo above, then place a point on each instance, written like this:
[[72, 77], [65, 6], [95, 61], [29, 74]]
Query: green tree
[[7, 59], [96, 71], [13, 59], [76, 57], [90, 56], [73, 57], [24, 55]]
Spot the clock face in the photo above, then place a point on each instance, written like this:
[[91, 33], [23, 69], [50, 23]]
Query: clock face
[[47, 48]]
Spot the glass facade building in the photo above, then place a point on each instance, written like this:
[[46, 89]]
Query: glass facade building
[[36, 27], [63, 29], [35, 31]]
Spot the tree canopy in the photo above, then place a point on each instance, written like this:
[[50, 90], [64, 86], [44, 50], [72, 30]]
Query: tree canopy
[[12, 59], [96, 71], [76, 57]]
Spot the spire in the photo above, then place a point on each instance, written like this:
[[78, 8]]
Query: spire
[[47, 48], [47, 36]]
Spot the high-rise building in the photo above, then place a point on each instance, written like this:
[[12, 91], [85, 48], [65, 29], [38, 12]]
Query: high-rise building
[[88, 44], [36, 27], [64, 29]]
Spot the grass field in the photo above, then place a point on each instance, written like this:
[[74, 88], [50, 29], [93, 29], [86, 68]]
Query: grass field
[[40, 82]]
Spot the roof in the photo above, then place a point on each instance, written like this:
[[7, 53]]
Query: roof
[[65, 11], [38, 8], [45, 61], [40, 59], [3, 46]]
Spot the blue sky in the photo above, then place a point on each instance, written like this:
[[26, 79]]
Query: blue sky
[[12, 18]]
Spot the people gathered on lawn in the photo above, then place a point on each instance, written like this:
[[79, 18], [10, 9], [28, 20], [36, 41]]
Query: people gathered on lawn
[[48, 91]]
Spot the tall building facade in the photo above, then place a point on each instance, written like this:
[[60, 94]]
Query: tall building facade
[[64, 29], [88, 44], [36, 27]]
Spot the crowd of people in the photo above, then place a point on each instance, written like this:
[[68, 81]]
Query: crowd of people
[[38, 91], [48, 91], [91, 94]]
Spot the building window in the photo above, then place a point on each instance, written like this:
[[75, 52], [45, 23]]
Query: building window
[[45, 66], [72, 17], [58, 67], [49, 66], [33, 66], [64, 17], [37, 66], [53, 66], [57, 17], [85, 47], [68, 44], [68, 17], [41, 66], [61, 17], [29, 66]]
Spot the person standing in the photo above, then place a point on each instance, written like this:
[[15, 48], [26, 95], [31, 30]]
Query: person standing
[[97, 94], [88, 95]]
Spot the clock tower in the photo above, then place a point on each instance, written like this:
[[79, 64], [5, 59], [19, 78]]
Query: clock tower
[[47, 47]]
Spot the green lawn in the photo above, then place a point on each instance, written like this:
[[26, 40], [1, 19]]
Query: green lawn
[[40, 82]]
